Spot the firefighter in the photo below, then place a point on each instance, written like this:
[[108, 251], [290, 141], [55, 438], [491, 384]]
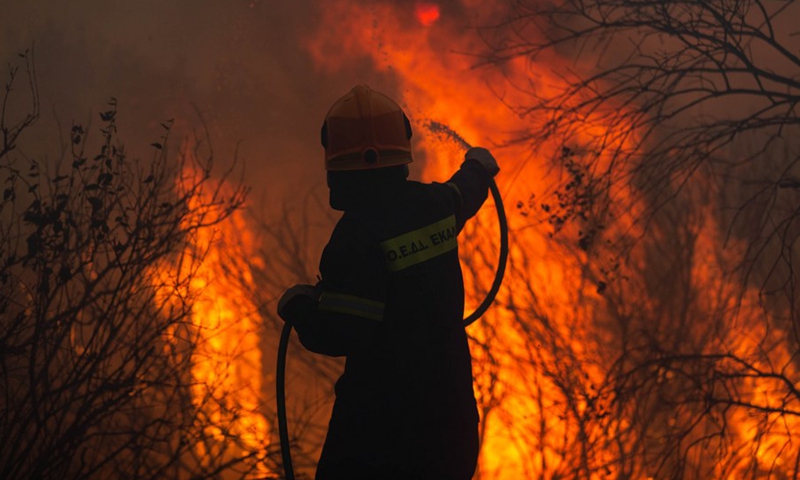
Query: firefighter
[[391, 300]]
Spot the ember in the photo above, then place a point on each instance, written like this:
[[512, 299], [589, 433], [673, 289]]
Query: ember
[[427, 13]]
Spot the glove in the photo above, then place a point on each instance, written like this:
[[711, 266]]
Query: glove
[[482, 156], [297, 291]]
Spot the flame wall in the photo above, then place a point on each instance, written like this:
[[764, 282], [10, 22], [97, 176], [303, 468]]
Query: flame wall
[[567, 382], [224, 340], [545, 359]]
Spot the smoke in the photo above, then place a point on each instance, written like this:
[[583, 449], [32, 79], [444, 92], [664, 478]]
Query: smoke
[[239, 67]]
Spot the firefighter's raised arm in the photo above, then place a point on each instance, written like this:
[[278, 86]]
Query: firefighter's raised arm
[[471, 183]]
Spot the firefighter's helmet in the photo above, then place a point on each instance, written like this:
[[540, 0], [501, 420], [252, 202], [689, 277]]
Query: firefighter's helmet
[[365, 130]]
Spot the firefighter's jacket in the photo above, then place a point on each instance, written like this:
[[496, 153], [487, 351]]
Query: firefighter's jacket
[[392, 302]]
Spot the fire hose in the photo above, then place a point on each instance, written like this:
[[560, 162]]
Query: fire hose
[[283, 344]]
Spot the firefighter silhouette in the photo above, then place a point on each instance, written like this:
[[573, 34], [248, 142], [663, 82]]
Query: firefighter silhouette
[[391, 300]]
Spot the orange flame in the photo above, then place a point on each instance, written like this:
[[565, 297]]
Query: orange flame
[[445, 88], [426, 13], [532, 422], [226, 365]]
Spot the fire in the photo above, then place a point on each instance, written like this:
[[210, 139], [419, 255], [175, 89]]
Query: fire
[[226, 357], [543, 358], [426, 13], [444, 88]]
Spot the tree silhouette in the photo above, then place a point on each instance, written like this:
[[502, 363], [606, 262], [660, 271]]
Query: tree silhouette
[[673, 351], [97, 341], [681, 89]]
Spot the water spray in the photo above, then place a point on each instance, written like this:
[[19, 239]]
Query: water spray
[[444, 130], [283, 345]]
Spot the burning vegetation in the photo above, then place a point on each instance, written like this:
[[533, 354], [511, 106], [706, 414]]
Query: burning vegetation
[[119, 357], [647, 327], [639, 333]]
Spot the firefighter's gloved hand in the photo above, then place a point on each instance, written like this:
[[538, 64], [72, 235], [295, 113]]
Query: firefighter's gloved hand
[[482, 156], [293, 293]]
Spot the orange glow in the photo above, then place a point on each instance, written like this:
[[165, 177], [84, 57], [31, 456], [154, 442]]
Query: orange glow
[[444, 88], [226, 365], [426, 13], [542, 356]]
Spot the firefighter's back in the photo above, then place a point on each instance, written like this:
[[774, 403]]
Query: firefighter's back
[[414, 383]]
